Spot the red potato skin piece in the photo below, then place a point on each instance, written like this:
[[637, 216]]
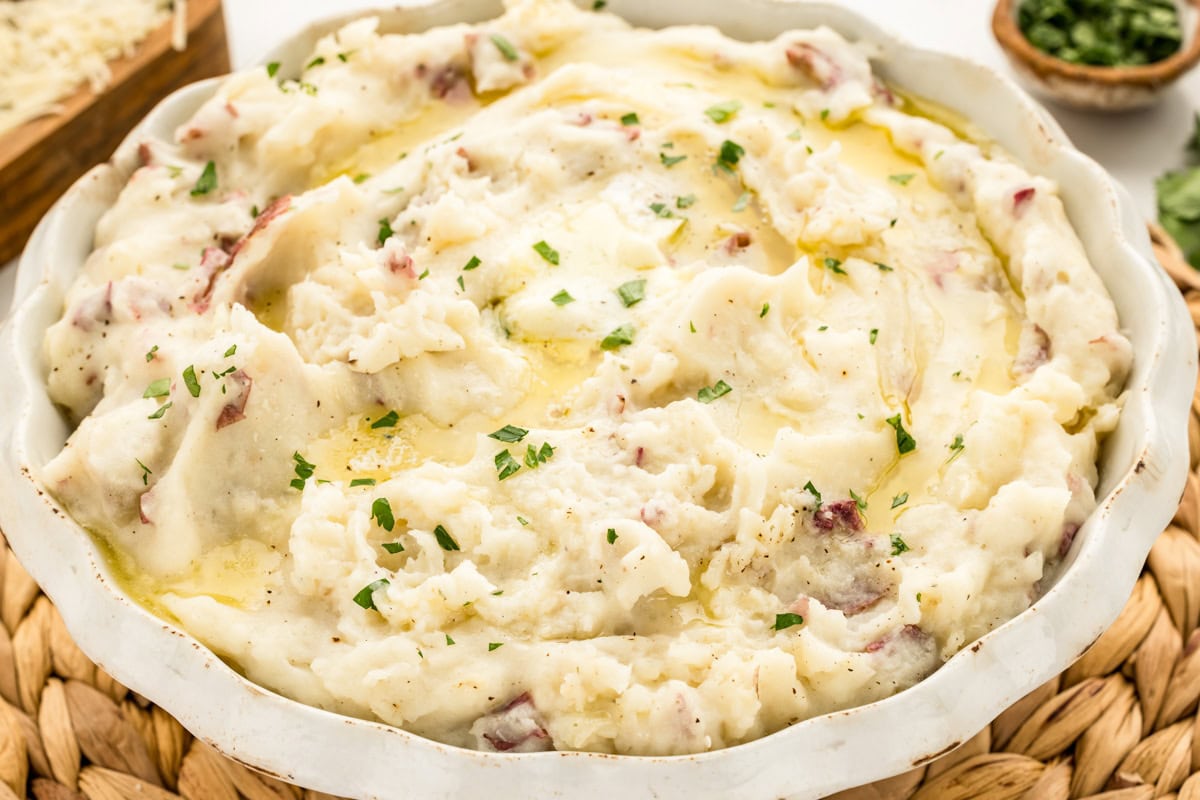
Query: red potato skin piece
[[279, 206], [1021, 199], [841, 515], [235, 409], [503, 745], [823, 70]]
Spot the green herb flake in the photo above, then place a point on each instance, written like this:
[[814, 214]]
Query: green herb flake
[[796, 135], [766, 307], [388, 420], [1116, 33], [902, 178], [461, 284], [899, 499], [670, 161], [344, 57], [729, 155], [808, 487], [632, 292], [691, 326], [662, 210], [883, 267], [150, 353], [362, 177], [272, 69], [823, 328], [189, 380], [710, 393], [381, 512], [905, 443], [444, 539], [723, 112], [231, 351], [524, 522], [898, 545], [509, 433], [423, 275], [161, 410], [393, 547], [562, 298], [505, 47], [685, 201], [741, 203], [824, 114], [835, 266], [207, 180], [181, 267], [158, 388], [366, 595], [362, 482], [630, 119], [385, 231], [617, 338], [494, 646], [304, 471], [918, 597], [859, 501], [547, 252], [449, 641], [146, 472], [473, 263], [611, 535], [316, 62], [783, 621], [873, 335], [506, 465], [599, 5]]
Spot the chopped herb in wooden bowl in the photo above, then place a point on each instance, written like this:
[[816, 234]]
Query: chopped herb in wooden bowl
[[1107, 33]]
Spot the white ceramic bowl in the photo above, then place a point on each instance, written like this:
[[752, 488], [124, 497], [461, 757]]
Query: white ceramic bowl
[[1143, 470]]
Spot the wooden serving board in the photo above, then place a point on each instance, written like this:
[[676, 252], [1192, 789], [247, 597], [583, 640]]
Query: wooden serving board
[[42, 158]]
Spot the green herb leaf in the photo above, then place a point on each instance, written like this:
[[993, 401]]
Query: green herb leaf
[[231, 351], [834, 266], [617, 338], [898, 545], [189, 380], [562, 298], [506, 465], [691, 326], [685, 201], [599, 5], [612, 535], [632, 292], [522, 520], [824, 114], [146, 472], [874, 334], [729, 155], [765, 308], [859, 501], [783, 621], [670, 161], [718, 389], [444, 539], [630, 119], [883, 267], [393, 547], [366, 595], [472, 264], [808, 487], [385, 231], [509, 433], [304, 471], [902, 179], [272, 68], [316, 62], [723, 112], [899, 499], [505, 47], [957, 444], [461, 284], [207, 180], [150, 353], [158, 388], [547, 252], [905, 443], [362, 482], [449, 641], [662, 210], [494, 646], [161, 410], [381, 512], [388, 420], [742, 201]]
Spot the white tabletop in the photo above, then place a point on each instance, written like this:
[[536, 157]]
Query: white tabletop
[[1134, 147]]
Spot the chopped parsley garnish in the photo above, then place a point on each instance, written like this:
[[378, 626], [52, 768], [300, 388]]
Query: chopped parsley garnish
[[522, 520], [207, 180], [161, 410], [181, 267], [883, 267], [808, 487], [506, 465], [787, 621], [509, 433], [272, 68], [381, 512], [449, 641], [146, 472], [918, 597], [344, 57], [362, 482], [444, 539], [547, 252], [254, 212], [393, 547], [150, 353], [765, 308], [612, 535], [231, 351], [535, 457], [189, 380], [505, 47], [366, 595], [796, 135], [729, 155], [834, 266], [385, 231], [316, 62], [159, 388], [691, 326], [229, 371], [461, 284], [899, 499], [902, 178], [562, 298], [304, 471], [670, 161], [617, 338], [742, 201], [859, 500], [710, 393], [823, 328], [685, 201], [898, 545], [388, 420], [494, 646], [361, 177], [723, 112], [956, 447], [630, 119], [599, 5], [423, 275], [472, 264], [662, 210], [824, 114], [632, 292], [905, 443], [874, 335]]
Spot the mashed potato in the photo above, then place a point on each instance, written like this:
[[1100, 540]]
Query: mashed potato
[[545, 383]]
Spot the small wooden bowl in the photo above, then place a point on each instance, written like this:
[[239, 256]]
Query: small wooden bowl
[[1090, 87]]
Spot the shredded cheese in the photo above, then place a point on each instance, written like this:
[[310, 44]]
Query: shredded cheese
[[49, 48]]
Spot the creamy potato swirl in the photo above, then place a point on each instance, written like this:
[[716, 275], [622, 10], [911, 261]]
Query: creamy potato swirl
[[546, 383]]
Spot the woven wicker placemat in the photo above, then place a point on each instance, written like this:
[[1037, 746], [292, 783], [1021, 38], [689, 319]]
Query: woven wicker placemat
[[1120, 724]]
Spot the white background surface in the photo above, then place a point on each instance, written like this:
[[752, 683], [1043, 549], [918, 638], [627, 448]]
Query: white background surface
[[1135, 147]]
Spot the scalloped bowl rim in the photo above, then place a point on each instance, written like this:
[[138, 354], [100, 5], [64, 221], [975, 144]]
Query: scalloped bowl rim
[[1145, 468]]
